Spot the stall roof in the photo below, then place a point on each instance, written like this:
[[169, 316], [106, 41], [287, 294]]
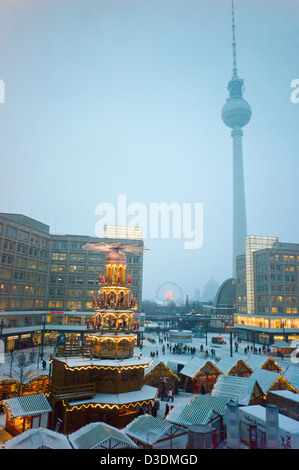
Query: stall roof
[[80, 362], [255, 361], [146, 393], [149, 429], [292, 375], [195, 365], [227, 363], [38, 438], [200, 410], [287, 394], [266, 378], [28, 405], [95, 435], [238, 389], [156, 364]]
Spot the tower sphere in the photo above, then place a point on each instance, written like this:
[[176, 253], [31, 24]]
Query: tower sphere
[[236, 112]]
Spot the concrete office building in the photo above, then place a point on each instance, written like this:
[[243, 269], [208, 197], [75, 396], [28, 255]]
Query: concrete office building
[[43, 271], [267, 291]]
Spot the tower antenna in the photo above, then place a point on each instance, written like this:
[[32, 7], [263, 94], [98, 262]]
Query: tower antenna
[[235, 70]]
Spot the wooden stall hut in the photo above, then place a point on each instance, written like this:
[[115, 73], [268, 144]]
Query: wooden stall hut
[[39, 438], [269, 380], [100, 436], [155, 433], [200, 376], [286, 401], [283, 349], [39, 383], [162, 377], [234, 366], [9, 387], [292, 375], [255, 361], [241, 390], [203, 410], [26, 412]]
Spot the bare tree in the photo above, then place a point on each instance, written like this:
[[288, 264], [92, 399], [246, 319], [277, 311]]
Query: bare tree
[[22, 370]]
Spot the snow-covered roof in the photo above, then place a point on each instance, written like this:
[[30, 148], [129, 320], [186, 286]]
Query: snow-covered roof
[[292, 375], [187, 415], [157, 363], [227, 363], [79, 361], [95, 435], [149, 429], [38, 438], [259, 412], [200, 410], [287, 394], [238, 389], [265, 378], [195, 365], [28, 405], [146, 393], [255, 361]]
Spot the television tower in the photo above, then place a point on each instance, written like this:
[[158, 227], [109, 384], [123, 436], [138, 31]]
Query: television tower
[[236, 113]]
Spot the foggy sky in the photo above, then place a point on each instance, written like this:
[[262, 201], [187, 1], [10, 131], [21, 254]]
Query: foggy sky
[[112, 97]]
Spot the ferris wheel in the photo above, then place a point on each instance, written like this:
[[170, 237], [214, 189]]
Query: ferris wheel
[[170, 292]]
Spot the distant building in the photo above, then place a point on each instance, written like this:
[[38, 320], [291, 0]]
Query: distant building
[[210, 290], [267, 291], [43, 271]]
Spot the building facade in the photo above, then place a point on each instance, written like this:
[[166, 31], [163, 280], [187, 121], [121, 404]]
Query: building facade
[[43, 271], [267, 291]]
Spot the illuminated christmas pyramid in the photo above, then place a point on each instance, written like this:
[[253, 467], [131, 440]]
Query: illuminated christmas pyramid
[[107, 384]]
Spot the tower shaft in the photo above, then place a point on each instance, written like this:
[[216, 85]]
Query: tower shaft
[[239, 206]]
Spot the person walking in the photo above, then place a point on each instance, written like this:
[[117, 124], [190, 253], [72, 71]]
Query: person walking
[[170, 395], [166, 410]]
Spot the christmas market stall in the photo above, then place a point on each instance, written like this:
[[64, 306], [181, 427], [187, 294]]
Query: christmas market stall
[[100, 436], [39, 438], [26, 412], [200, 375], [162, 377], [269, 380], [202, 410], [151, 432], [283, 349], [241, 390], [234, 366], [9, 387], [255, 361]]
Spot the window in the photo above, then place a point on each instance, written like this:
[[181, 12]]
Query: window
[[20, 262], [43, 266], [76, 268], [10, 231], [23, 236], [22, 249], [61, 245], [58, 268], [34, 239], [32, 264], [59, 256], [80, 257], [7, 259], [8, 245], [33, 251]]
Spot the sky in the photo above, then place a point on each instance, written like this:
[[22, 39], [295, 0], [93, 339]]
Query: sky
[[123, 97]]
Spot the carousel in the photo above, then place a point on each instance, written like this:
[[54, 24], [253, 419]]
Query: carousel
[[107, 383]]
